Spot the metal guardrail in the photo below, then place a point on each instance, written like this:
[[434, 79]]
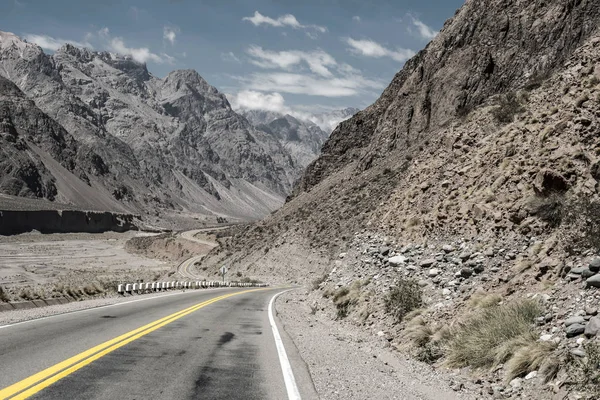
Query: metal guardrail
[[145, 287]]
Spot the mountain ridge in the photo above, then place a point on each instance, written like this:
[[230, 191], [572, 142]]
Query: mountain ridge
[[173, 143]]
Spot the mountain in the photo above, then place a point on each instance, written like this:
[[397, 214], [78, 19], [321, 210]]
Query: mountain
[[172, 143], [329, 120], [302, 139]]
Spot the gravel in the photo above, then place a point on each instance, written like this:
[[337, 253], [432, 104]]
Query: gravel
[[346, 363]]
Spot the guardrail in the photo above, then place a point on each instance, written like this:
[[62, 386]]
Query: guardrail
[[146, 287]]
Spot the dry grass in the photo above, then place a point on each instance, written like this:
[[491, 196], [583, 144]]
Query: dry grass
[[418, 331], [347, 297], [493, 335], [480, 299], [533, 356], [405, 297], [428, 340]]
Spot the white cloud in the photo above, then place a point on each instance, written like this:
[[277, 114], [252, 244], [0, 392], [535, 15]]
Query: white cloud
[[230, 57], [140, 54], [370, 48], [49, 43], [104, 40], [170, 34], [287, 20], [423, 30], [104, 32], [356, 18], [253, 100], [317, 61], [341, 86]]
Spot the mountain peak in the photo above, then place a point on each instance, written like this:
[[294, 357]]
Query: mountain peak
[[9, 39]]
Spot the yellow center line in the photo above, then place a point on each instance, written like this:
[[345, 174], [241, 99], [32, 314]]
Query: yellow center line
[[50, 375]]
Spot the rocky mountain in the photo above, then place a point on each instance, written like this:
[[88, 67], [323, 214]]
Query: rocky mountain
[[172, 143], [474, 176], [329, 120], [302, 139]]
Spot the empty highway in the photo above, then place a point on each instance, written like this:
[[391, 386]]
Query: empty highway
[[208, 344]]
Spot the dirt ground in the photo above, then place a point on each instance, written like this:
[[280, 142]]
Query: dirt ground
[[38, 265]]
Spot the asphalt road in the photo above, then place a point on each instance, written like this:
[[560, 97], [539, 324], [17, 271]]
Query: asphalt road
[[208, 344], [185, 269]]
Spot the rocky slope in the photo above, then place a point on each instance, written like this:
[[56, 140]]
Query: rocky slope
[[475, 170], [302, 139], [172, 143]]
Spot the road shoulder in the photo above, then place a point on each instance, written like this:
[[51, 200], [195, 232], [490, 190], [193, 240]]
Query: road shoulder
[[346, 364]]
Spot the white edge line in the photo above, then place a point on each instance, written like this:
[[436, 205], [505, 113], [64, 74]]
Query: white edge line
[[286, 368], [105, 306]]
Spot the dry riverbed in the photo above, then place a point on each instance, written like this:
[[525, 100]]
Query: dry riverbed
[[34, 265]]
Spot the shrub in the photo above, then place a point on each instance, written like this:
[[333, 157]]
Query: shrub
[[493, 335], [509, 105], [402, 299], [549, 209]]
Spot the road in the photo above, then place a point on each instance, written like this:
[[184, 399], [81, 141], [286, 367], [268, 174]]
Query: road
[[211, 344], [185, 268]]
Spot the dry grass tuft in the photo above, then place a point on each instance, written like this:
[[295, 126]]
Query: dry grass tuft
[[532, 356], [418, 331], [492, 335], [481, 299], [347, 297]]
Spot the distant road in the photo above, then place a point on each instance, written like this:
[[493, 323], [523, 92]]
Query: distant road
[[209, 344], [185, 268]]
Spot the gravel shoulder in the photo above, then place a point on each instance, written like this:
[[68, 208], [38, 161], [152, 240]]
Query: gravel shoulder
[[346, 363]]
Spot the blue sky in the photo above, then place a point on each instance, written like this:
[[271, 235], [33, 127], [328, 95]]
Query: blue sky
[[280, 55]]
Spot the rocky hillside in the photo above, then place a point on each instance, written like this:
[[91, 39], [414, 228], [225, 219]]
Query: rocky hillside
[[302, 139], [172, 143], [474, 174]]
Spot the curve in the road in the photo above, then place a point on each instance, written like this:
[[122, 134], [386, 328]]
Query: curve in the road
[[185, 268]]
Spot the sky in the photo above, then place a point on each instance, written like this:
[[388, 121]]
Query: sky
[[278, 55]]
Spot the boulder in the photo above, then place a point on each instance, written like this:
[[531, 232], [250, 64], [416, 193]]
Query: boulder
[[592, 328], [466, 272], [574, 320], [595, 265], [433, 272], [427, 262], [448, 248], [397, 260], [594, 281], [575, 330]]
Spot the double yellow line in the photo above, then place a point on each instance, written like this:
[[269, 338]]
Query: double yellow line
[[32, 385]]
